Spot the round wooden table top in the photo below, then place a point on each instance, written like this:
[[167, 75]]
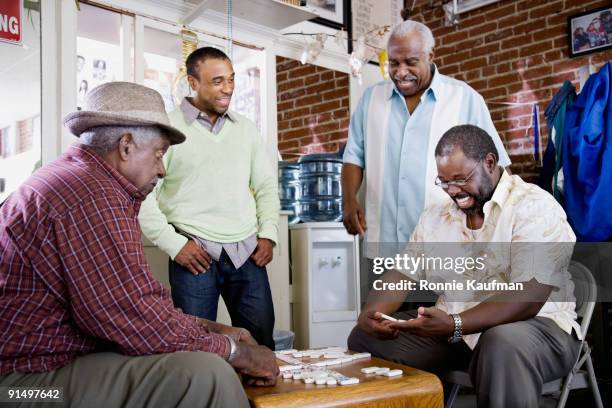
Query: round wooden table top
[[415, 388]]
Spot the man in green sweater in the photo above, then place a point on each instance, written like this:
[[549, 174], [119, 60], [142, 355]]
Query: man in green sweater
[[216, 211]]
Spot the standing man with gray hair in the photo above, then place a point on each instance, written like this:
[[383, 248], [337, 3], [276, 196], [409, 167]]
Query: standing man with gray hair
[[79, 308], [392, 136]]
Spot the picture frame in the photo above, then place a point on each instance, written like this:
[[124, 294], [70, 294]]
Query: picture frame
[[590, 31], [331, 13]]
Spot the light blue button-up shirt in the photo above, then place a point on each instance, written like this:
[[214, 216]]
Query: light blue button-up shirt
[[406, 152]]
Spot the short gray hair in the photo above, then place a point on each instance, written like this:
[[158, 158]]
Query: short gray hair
[[103, 139], [409, 27]]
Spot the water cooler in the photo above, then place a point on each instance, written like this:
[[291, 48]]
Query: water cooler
[[325, 272]]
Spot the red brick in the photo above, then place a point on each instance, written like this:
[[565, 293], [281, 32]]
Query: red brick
[[456, 57], [518, 110], [336, 94], [570, 64], [482, 29], [561, 43], [296, 123], [494, 93], [485, 50], [319, 88], [313, 120], [503, 68], [308, 100], [340, 113], [281, 76], [327, 75], [324, 128], [442, 51], [536, 48], [285, 64], [296, 113], [537, 13], [449, 70], [293, 93], [516, 41], [498, 35], [283, 124], [312, 79], [469, 21], [512, 20], [503, 56], [541, 71], [283, 106], [503, 80], [529, 4], [550, 33], [343, 81], [285, 145], [452, 38], [478, 85], [516, 134], [326, 106], [296, 83], [488, 70], [472, 75], [473, 64], [295, 134], [501, 12]]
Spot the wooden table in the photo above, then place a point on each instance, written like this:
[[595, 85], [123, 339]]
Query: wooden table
[[415, 388]]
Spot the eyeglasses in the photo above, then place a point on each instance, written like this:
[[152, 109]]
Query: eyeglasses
[[459, 183]]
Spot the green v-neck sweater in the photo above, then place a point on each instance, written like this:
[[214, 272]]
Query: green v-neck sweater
[[218, 187]]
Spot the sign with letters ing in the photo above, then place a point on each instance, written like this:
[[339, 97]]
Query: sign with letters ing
[[10, 21]]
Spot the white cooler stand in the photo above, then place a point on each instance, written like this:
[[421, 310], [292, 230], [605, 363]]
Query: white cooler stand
[[325, 270]]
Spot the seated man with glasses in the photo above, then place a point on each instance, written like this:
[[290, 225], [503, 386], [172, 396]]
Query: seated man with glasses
[[512, 328]]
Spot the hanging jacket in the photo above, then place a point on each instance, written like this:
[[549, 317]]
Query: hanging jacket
[[555, 122], [587, 159]]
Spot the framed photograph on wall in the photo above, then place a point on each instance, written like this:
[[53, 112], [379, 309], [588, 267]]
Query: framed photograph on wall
[[590, 31], [332, 13]]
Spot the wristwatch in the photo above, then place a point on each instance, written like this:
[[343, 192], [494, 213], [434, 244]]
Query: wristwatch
[[233, 348], [458, 331]]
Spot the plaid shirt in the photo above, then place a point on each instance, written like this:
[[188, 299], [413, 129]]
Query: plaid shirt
[[73, 275]]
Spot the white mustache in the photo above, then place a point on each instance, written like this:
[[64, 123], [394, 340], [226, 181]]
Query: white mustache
[[405, 78], [154, 181]]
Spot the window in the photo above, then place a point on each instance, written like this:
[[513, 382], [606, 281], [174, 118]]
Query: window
[[100, 48], [20, 82]]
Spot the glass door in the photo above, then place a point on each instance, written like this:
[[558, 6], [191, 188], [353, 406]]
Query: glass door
[[20, 84]]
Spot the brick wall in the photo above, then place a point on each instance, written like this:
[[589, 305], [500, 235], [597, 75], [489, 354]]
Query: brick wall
[[512, 51], [313, 108]]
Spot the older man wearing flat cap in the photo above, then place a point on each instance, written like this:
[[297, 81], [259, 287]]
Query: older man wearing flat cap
[[79, 308]]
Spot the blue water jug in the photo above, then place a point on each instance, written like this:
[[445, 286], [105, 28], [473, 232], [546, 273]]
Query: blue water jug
[[321, 188], [289, 187]]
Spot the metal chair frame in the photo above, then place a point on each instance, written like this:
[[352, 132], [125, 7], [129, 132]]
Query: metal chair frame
[[585, 291]]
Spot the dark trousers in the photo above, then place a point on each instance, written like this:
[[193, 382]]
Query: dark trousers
[[508, 367], [245, 291]]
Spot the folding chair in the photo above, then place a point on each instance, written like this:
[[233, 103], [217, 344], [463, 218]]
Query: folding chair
[[585, 291]]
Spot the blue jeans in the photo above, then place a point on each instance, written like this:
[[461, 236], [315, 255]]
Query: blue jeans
[[246, 292]]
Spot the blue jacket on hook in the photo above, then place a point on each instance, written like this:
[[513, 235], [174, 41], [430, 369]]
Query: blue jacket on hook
[[587, 159]]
